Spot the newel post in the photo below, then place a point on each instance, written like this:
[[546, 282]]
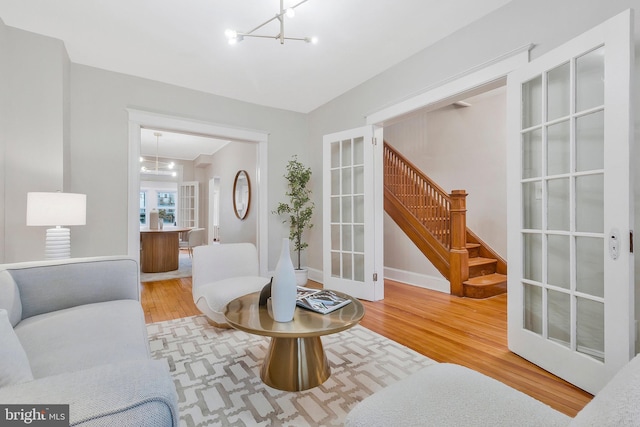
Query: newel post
[[458, 255]]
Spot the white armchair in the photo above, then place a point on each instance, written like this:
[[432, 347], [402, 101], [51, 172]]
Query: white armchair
[[221, 273], [194, 237]]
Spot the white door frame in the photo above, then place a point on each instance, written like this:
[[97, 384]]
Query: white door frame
[[140, 118], [486, 76]]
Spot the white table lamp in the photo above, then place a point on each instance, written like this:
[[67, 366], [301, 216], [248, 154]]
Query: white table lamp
[[57, 209]]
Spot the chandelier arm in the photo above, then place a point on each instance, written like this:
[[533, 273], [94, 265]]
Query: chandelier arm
[[279, 17], [259, 26], [303, 1]]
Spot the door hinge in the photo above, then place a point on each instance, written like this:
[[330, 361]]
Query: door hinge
[[375, 277], [374, 141], [631, 241]]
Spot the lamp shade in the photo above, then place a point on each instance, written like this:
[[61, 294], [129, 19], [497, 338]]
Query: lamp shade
[[52, 209]]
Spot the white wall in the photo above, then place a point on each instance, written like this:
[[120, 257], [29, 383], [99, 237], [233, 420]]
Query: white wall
[[225, 164], [35, 138], [99, 143]]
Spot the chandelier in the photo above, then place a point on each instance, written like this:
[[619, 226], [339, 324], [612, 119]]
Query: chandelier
[[234, 36], [156, 167]]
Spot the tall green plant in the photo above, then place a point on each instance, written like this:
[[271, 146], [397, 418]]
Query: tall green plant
[[299, 210]]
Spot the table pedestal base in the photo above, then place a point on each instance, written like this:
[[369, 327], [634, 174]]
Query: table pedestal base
[[295, 364]]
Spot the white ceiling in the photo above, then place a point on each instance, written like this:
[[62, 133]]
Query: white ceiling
[[177, 146], [182, 41]]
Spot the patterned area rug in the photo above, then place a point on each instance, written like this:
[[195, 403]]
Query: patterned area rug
[[217, 375], [184, 270]]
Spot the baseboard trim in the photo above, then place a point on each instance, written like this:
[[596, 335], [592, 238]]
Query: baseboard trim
[[416, 279], [410, 278], [315, 275]]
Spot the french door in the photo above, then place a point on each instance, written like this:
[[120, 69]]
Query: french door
[[352, 204], [571, 291]]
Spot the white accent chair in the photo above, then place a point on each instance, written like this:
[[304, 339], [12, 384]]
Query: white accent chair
[[221, 273], [194, 237]]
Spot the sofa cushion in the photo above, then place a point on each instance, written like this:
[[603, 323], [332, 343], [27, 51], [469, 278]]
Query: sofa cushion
[[14, 365], [617, 403], [83, 337], [10, 297], [451, 395]]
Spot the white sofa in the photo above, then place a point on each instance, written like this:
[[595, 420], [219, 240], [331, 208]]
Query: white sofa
[[446, 395], [73, 332]]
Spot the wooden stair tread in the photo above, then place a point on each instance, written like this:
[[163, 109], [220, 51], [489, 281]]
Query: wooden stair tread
[[472, 245], [486, 280], [486, 286], [481, 261]]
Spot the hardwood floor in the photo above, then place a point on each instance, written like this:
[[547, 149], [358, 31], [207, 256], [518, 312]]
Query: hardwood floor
[[442, 327]]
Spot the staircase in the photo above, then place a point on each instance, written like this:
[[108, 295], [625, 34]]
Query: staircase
[[435, 221]]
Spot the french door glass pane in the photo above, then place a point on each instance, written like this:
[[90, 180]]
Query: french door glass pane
[[358, 180], [533, 308], [558, 148], [590, 80], [590, 328], [559, 203], [358, 209], [346, 209], [532, 205], [590, 142], [590, 203], [590, 256], [346, 181], [335, 209], [335, 237], [346, 238], [358, 238], [346, 153], [532, 103], [347, 266], [335, 264], [358, 151], [335, 182], [532, 154], [559, 317], [558, 92], [335, 155], [559, 261], [358, 267], [532, 256]]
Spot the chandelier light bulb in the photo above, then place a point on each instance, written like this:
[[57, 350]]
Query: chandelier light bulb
[[230, 34], [141, 159], [290, 12], [171, 165]]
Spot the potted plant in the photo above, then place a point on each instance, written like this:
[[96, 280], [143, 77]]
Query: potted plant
[[298, 211]]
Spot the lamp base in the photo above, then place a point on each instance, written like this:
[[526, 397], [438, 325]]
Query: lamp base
[[58, 243]]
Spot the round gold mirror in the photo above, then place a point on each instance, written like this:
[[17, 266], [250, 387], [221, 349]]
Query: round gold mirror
[[241, 194]]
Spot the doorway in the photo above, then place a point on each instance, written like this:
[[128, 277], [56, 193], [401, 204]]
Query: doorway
[[139, 119]]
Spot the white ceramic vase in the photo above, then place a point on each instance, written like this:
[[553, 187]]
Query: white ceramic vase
[[283, 288]]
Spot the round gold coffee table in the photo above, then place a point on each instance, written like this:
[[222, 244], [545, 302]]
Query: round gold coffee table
[[295, 358]]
